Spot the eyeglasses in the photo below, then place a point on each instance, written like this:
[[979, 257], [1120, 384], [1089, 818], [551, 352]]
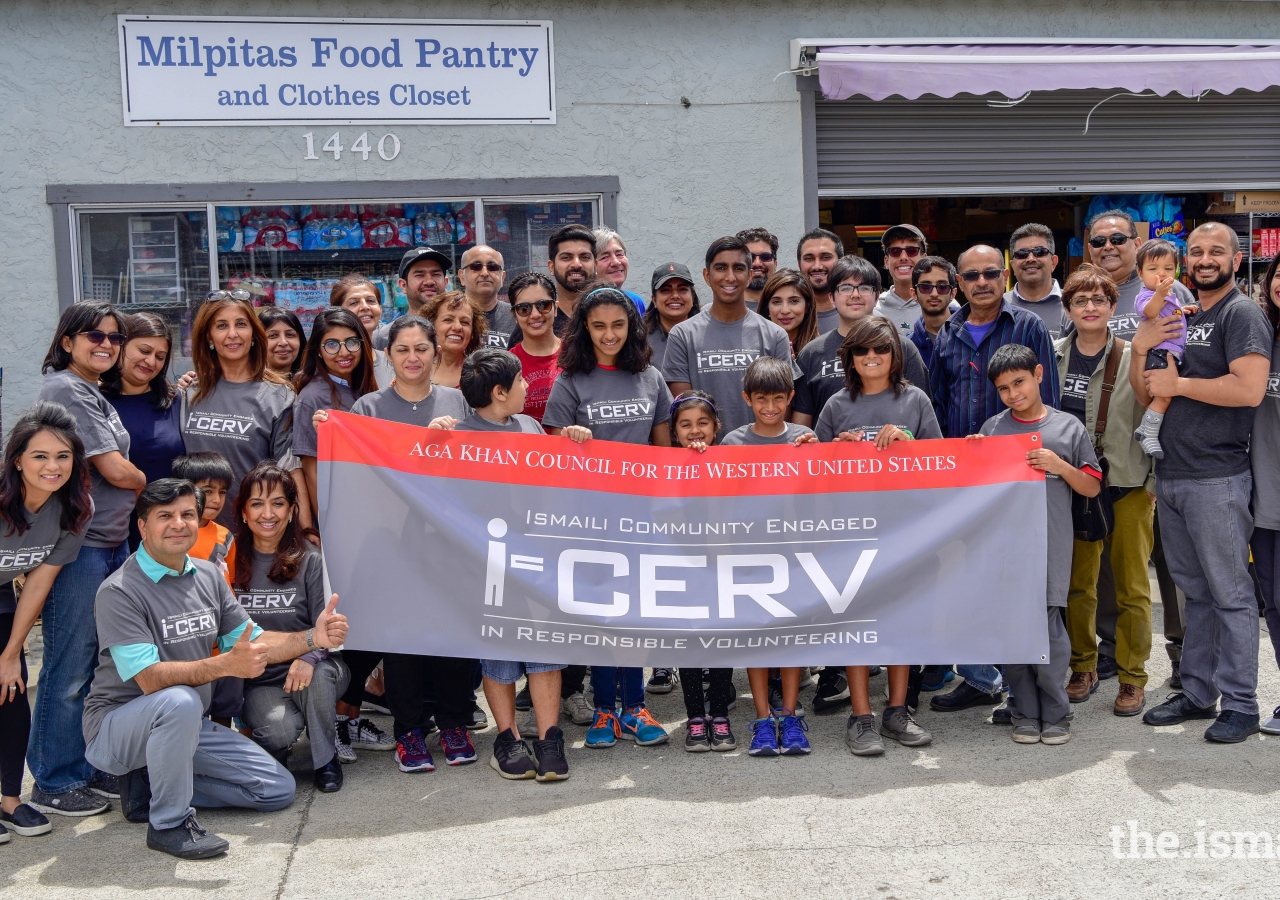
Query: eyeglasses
[[926, 288], [1082, 302], [883, 350], [848, 290], [1117, 240], [1037, 252], [988, 274], [763, 257], [524, 310], [237, 294], [481, 266], [333, 345], [97, 337], [909, 252]]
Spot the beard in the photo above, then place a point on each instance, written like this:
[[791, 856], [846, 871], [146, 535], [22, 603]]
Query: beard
[[1220, 280], [756, 283], [571, 288]]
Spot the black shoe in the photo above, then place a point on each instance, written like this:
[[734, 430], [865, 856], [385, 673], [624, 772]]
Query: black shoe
[[1107, 667], [1232, 727], [511, 757], [135, 795], [915, 682], [1175, 679], [873, 671], [1176, 709], [328, 778], [832, 690], [552, 763], [186, 841], [75, 803], [1002, 714], [935, 678], [523, 701], [105, 785], [964, 697], [663, 681], [25, 821]]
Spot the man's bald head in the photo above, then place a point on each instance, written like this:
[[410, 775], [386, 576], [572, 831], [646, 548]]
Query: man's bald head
[[980, 256]]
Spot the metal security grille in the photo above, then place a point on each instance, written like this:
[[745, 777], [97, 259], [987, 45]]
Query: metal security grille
[[958, 146]]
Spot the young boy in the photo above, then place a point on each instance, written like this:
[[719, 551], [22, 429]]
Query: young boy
[[210, 472], [1158, 267], [1038, 693], [494, 387]]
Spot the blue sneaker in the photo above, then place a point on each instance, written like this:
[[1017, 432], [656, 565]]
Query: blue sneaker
[[791, 735], [639, 725], [458, 749], [605, 730], [933, 678], [412, 754], [764, 738]]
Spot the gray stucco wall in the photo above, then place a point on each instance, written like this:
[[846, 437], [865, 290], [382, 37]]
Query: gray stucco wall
[[731, 160]]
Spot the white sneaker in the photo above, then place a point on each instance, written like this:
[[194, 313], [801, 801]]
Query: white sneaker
[[576, 707], [367, 736], [806, 677], [342, 742]]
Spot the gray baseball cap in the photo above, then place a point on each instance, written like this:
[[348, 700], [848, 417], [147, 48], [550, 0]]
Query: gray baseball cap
[[904, 232]]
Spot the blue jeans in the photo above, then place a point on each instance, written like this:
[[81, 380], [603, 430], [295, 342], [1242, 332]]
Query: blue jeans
[[984, 678], [604, 685], [55, 752]]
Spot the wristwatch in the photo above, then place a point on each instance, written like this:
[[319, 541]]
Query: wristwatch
[[310, 643]]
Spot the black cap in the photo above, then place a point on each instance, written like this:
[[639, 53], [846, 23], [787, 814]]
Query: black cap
[[412, 256], [666, 272], [904, 232]]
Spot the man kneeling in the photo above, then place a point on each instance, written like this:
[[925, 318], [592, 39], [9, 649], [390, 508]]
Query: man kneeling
[[158, 618]]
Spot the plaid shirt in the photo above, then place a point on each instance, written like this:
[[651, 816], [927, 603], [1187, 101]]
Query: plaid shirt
[[962, 394]]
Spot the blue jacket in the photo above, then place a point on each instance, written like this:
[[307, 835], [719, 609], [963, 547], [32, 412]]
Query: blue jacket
[[920, 337]]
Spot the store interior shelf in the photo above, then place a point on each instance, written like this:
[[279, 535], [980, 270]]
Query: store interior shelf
[[294, 257]]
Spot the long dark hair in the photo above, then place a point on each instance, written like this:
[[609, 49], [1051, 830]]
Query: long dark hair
[[1268, 302], [77, 510], [872, 332], [578, 354], [270, 315], [313, 367], [807, 330], [161, 389], [293, 545], [77, 318], [204, 359], [653, 322]]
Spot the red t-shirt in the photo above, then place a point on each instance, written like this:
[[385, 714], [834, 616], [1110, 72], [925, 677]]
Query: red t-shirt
[[540, 372]]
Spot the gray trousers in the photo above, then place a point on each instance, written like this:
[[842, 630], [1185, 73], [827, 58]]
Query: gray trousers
[[1039, 692], [277, 718], [190, 760], [1206, 525]]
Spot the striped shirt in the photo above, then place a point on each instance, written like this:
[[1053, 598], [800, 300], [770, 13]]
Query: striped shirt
[[962, 394]]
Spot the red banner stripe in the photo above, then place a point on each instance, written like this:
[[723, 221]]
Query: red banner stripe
[[545, 461]]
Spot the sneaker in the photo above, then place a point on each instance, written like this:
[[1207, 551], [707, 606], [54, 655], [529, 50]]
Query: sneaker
[[1129, 700], [342, 741], [1232, 727], [662, 681], [74, 803], [105, 785], [896, 722], [412, 754], [1176, 709], [806, 677], [639, 725], [696, 739], [512, 757], [1056, 734], [722, 735], [862, 737], [375, 703], [524, 702], [1002, 714], [186, 841], [1026, 731], [457, 746], [932, 678], [605, 729], [1082, 686], [775, 700], [1272, 725], [764, 738], [963, 697], [577, 709], [1107, 667], [367, 736], [25, 821], [791, 735], [1175, 677], [479, 721], [135, 795], [832, 691], [553, 765]]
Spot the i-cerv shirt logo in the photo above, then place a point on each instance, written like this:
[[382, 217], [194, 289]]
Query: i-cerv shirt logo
[[25, 558], [831, 368], [268, 601], [498, 339], [1076, 385], [1273, 391], [725, 360], [1200, 335], [188, 626], [1126, 323], [221, 424], [637, 410]]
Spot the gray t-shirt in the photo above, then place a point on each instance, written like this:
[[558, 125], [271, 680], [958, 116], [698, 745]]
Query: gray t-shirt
[[382, 337], [823, 375], [1264, 451], [182, 616], [712, 356], [911, 411], [383, 374], [658, 346], [615, 405], [99, 427], [43, 543], [291, 605], [519, 424], [1062, 433], [1049, 309], [246, 422], [744, 436], [387, 404], [1201, 440], [316, 395], [828, 320], [502, 322]]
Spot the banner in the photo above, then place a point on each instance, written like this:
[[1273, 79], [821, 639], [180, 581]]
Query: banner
[[537, 549]]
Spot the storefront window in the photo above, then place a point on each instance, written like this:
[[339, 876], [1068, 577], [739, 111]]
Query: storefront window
[[147, 262], [519, 230]]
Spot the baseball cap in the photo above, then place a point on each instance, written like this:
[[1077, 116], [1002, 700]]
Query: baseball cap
[[904, 232], [417, 253], [666, 272]]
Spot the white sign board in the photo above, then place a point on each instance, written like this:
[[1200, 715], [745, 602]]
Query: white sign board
[[225, 70]]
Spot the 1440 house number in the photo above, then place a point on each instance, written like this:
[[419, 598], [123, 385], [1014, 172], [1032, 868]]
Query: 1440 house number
[[388, 147]]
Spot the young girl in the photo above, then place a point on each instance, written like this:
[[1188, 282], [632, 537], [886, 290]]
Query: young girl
[[605, 361], [877, 405], [695, 424], [1158, 267]]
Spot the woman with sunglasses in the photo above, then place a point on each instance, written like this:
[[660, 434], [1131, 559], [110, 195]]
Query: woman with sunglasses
[[140, 390], [337, 370], [533, 301], [356, 293], [787, 300], [285, 338], [85, 347], [460, 327]]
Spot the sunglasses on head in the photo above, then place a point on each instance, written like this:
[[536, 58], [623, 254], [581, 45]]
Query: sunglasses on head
[[481, 266], [237, 294], [925, 288], [762, 257], [333, 345], [1117, 240], [882, 350], [1037, 252], [988, 274], [909, 252], [97, 337], [526, 308]]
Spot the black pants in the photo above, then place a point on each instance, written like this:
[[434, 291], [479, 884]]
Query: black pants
[[361, 663], [720, 692], [406, 678], [15, 724], [572, 679]]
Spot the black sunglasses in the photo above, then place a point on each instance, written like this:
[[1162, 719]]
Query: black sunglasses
[[524, 310], [989, 274], [926, 288], [882, 350], [480, 266], [237, 294], [1037, 252], [1117, 240], [97, 337], [762, 257]]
